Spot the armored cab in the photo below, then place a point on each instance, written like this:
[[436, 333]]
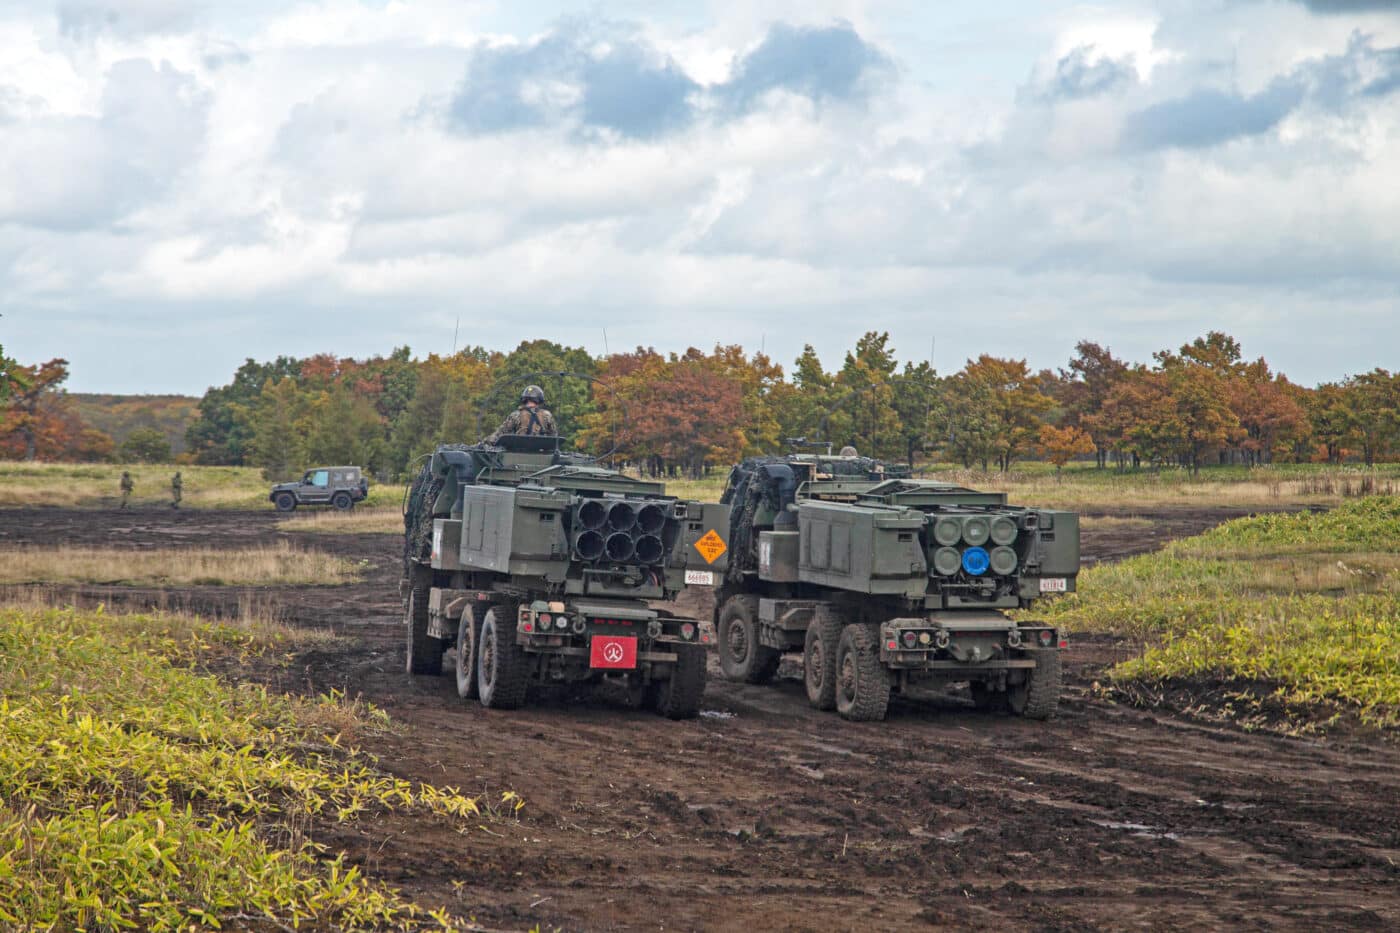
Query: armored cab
[[884, 581], [540, 566]]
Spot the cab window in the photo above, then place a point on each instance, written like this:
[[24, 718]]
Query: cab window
[[320, 478]]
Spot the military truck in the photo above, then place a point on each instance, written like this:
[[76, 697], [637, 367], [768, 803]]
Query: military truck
[[339, 487], [540, 566], [885, 582]]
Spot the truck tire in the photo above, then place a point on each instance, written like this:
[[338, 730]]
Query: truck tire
[[468, 633], [285, 502], [741, 657], [862, 683], [679, 697], [1038, 697], [424, 652], [502, 666], [819, 658], [342, 501]]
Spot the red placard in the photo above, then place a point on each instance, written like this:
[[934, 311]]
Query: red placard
[[618, 652]]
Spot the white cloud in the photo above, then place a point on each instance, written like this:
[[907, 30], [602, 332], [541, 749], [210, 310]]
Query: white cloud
[[233, 173]]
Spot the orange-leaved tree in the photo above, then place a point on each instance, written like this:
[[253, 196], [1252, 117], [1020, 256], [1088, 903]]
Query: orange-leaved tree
[[1061, 445]]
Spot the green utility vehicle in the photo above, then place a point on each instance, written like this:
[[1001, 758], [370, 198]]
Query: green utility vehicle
[[541, 566], [884, 582]]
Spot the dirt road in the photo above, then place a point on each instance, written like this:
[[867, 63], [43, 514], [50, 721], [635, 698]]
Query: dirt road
[[763, 814]]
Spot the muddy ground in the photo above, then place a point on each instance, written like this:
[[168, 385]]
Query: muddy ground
[[764, 814]]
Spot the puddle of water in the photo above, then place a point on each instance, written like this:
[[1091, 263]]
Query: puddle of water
[[716, 714], [1140, 830]]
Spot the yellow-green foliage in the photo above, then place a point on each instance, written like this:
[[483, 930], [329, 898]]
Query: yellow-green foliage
[[1308, 602], [279, 564], [97, 485], [137, 793]]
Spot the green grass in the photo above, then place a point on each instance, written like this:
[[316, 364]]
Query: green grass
[[137, 793], [97, 485], [1306, 603]]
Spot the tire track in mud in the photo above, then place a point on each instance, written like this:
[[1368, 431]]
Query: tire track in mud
[[765, 814]]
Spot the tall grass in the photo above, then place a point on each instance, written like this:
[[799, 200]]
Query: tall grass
[[97, 485], [382, 520], [138, 794], [277, 564], [1308, 603]]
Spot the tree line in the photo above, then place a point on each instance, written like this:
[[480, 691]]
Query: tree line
[[674, 414]]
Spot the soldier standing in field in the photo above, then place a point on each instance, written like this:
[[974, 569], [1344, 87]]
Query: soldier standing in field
[[177, 490], [530, 418], [127, 486]]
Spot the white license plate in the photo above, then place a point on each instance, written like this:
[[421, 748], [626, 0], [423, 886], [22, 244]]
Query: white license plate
[[706, 578], [1052, 584]]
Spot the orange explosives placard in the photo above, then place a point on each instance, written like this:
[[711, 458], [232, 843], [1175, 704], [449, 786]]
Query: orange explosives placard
[[711, 546]]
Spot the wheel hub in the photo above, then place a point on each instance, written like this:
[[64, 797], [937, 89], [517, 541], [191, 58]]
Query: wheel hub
[[848, 678], [738, 642]]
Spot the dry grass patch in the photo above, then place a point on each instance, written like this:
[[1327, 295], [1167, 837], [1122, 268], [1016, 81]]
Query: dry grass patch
[[98, 485], [358, 521], [1105, 523], [280, 564]]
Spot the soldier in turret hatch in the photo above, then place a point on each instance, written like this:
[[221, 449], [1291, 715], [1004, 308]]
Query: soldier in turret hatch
[[530, 418], [848, 451]]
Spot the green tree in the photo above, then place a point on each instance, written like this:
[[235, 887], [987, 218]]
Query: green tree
[[344, 429], [569, 399], [1374, 400], [806, 410], [865, 396], [145, 445], [223, 432], [1332, 419], [277, 421], [997, 407]]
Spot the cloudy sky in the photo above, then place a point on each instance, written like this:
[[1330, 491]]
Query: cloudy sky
[[184, 184]]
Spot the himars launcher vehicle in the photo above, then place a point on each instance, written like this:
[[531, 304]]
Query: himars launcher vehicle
[[541, 565], [884, 581]]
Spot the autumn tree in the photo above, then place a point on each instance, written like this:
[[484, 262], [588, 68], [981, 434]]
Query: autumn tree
[[668, 415], [996, 406], [1060, 445], [36, 422], [1270, 414], [1084, 389]]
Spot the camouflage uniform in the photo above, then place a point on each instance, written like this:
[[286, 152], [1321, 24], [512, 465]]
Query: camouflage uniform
[[127, 486], [525, 420], [177, 491]]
